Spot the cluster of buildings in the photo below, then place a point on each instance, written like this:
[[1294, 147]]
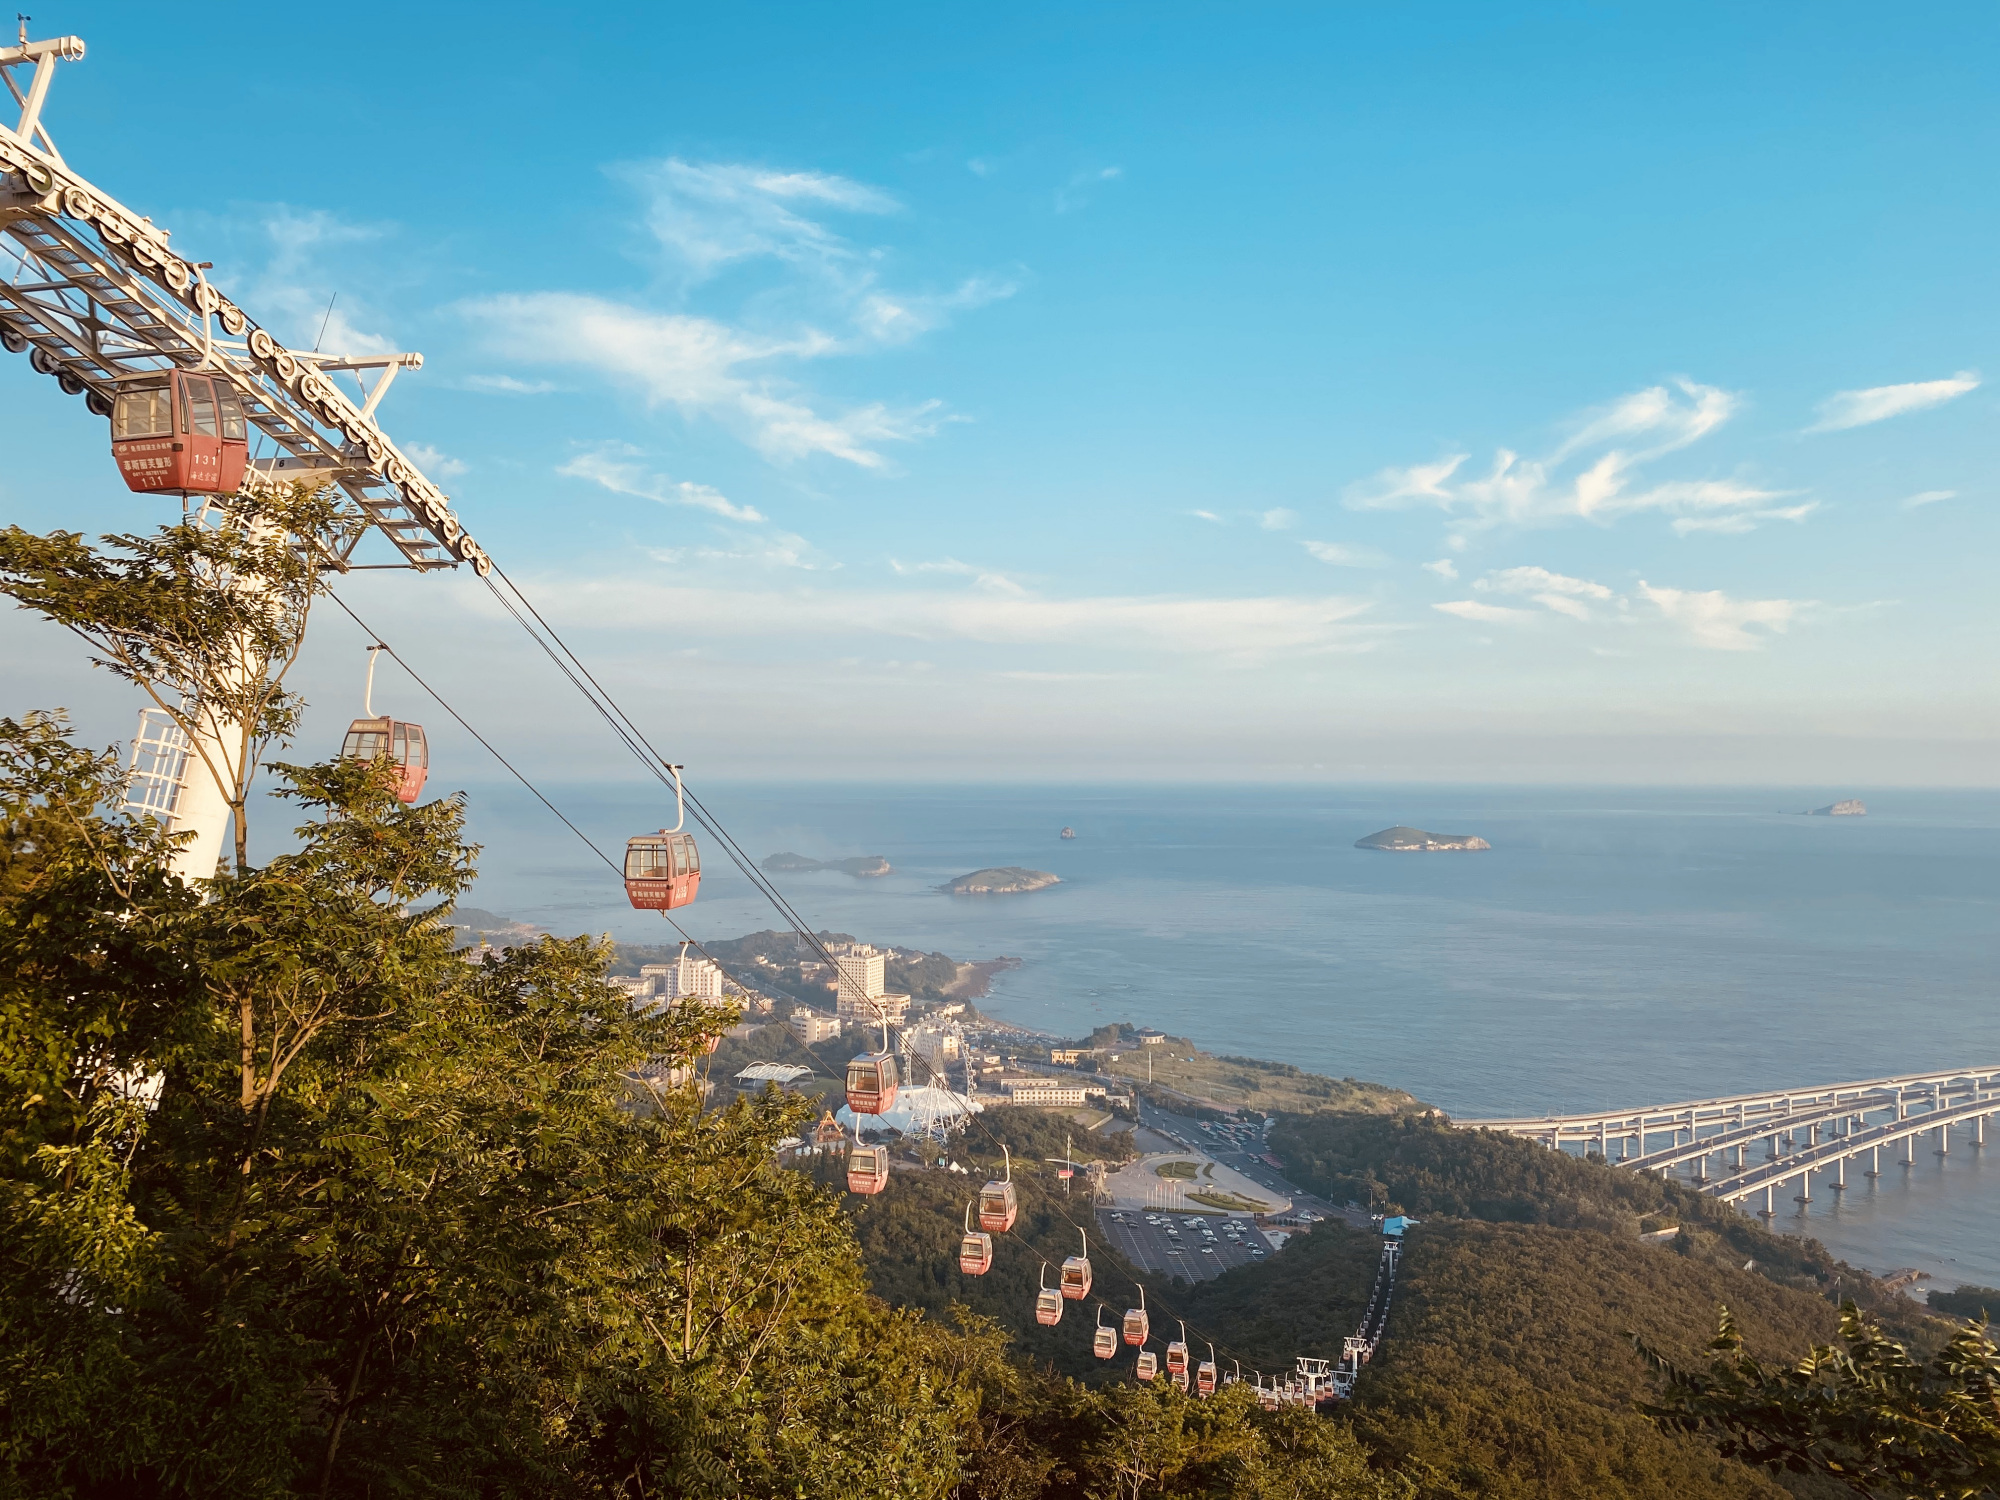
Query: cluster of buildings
[[687, 977]]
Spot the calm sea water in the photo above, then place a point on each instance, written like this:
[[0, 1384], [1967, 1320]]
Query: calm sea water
[[1614, 947]]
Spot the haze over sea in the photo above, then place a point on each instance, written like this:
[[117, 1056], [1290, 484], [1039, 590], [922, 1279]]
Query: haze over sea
[[1615, 947]]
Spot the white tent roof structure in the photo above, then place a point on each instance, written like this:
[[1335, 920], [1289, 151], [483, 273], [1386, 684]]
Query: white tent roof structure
[[921, 1109]]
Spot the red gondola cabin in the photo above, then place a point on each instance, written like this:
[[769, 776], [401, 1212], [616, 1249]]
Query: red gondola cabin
[[872, 1080], [662, 870], [975, 1250], [403, 743], [867, 1169], [181, 433]]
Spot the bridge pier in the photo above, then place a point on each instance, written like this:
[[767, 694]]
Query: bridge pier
[[1805, 1187], [1909, 1151], [1767, 1211], [1979, 1130], [1944, 1140], [1874, 1161], [1738, 1163], [1840, 1175]]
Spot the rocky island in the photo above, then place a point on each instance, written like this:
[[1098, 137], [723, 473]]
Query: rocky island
[[1005, 881], [1851, 807], [1402, 840], [868, 866]]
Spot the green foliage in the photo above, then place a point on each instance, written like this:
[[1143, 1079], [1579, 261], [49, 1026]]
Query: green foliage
[[1978, 1303], [1420, 1165], [1507, 1373], [1866, 1414], [207, 620], [296, 1199]]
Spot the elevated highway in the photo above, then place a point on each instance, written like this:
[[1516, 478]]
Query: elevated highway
[[1760, 1143]]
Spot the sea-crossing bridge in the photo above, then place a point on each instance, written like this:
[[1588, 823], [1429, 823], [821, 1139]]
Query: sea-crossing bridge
[[1748, 1146]]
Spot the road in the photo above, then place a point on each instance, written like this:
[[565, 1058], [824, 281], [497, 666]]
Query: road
[[1247, 1158]]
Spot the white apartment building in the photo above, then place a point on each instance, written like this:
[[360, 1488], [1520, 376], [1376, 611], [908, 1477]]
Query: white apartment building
[[689, 975], [811, 1026], [1050, 1093]]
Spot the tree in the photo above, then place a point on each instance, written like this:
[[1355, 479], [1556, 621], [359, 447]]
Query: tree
[[385, 1222], [1866, 1414], [205, 619]]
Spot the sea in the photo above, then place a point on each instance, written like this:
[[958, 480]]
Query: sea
[[1613, 947]]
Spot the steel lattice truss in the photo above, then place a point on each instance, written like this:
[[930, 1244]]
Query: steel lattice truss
[[95, 298]]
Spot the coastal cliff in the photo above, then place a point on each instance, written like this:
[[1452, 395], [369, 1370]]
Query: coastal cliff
[[1007, 880], [1850, 807], [1403, 840]]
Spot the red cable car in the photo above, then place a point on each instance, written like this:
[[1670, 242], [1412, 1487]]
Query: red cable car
[[663, 870], [180, 432], [1138, 1327], [370, 739], [1177, 1355], [867, 1168], [1204, 1374], [1076, 1273], [1104, 1341], [998, 1207], [1149, 1365], [872, 1080], [1048, 1301], [975, 1251]]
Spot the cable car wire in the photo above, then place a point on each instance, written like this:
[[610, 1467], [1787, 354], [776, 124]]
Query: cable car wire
[[634, 739]]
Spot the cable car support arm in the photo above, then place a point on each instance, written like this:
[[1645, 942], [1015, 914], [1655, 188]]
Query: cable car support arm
[[95, 297]]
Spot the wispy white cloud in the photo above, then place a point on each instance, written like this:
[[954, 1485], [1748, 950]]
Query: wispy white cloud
[[1259, 627], [896, 318], [1444, 567], [1720, 623], [820, 295], [1486, 614], [1654, 414], [1582, 478], [1081, 187], [699, 366], [1207, 515], [1339, 556], [1557, 592], [507, 385], [1737, 522], [617, 467], [434, 463], [986, 578], [1927, 497], [1878, 403], [1277, 519], [782, 549], [709, 215]]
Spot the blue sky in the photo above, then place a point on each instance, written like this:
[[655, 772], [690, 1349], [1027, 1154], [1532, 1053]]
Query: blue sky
[[1570, 392]]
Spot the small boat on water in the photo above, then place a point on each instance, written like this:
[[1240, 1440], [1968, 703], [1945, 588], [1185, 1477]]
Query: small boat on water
[[1069, 833]]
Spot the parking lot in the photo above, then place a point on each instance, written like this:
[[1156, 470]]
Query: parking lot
[[1195, 1247]]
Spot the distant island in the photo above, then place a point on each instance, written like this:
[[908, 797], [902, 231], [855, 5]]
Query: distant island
[[1005, 881], [1851, 807], [1069, 833], [1402, 840], [867, 865]]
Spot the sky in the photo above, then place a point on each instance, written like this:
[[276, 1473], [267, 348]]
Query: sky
[[1558, 393]]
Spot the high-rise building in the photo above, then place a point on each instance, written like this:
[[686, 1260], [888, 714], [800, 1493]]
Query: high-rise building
[[685, 976], [861, 971]]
